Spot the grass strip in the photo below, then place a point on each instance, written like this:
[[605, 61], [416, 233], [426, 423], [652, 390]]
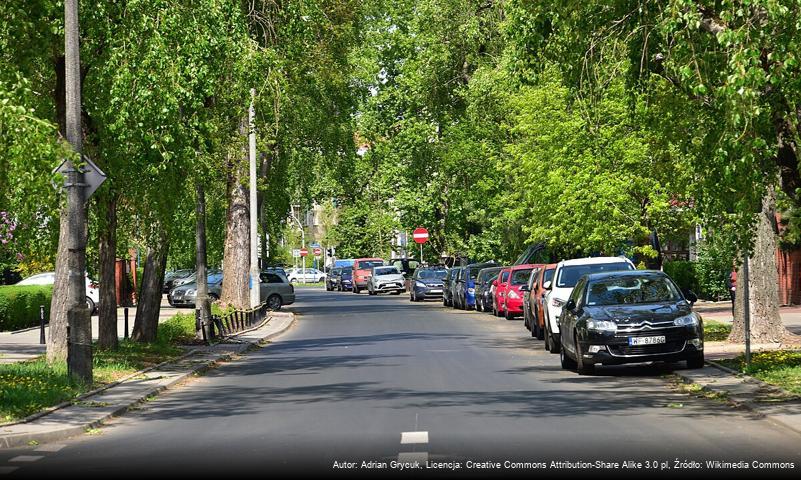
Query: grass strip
[[781, 368], [716, 331], [32, 386]]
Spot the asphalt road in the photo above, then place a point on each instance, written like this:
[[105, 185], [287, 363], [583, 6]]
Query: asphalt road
[[356, 372]]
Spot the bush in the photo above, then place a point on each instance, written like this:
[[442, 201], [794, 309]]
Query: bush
[[713, 269], [19, 305], [684, 274], [178, 329]]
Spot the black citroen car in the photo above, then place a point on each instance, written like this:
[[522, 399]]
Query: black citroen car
[[636, 316]]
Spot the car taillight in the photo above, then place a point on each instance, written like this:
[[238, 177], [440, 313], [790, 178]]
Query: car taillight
[[94, 285]]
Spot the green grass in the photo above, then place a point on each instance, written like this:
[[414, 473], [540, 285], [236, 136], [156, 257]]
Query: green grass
[[716, 331], [781, 368], [29, 387]]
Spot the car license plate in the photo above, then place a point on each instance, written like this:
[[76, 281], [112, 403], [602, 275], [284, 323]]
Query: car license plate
[[633, 341], [436, 290]]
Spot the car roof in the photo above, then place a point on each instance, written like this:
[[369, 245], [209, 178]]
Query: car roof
[[525, 266], [593, 261], [625, 273]]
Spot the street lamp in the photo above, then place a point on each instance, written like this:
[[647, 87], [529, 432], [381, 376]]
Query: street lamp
[[302, 239]]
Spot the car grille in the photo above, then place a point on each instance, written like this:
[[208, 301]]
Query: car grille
[[661, 349]]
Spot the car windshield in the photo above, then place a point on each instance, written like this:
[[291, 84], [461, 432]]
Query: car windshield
[[489, 276], [569, 275], [520, 277], [386, 271], [368, 264], [548, 275], [432, 274], [346, 272], [631, 290]]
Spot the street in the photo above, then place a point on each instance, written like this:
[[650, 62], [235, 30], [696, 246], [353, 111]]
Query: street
[[358, 374]]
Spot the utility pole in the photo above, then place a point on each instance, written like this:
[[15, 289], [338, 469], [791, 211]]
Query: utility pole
[[302, 240], [79, 326], [255, 298]]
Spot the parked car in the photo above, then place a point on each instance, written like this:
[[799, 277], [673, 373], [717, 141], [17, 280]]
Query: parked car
[[362, 267], [534, 300], [280, 270], [309, 275], [186, 294], [178, 281], [385, 279], [464, 295], [448, 285], [566, 275], [629, 317], [499, 290], [276, 290], [484, 288], [332, 279], [345, 279], [49, 278], [427, 282], [509, 297], [170, 277]]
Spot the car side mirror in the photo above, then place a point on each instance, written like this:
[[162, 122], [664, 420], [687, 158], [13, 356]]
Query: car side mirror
[[547, 285], [570, 305], [525, 288], [689, 295]]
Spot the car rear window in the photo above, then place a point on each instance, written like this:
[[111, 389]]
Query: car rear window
[[367, 264], [569, 275]]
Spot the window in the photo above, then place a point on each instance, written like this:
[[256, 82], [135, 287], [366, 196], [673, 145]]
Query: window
[[505, 277], [520, 277], [632, 290], [570, 274], [386, 271]]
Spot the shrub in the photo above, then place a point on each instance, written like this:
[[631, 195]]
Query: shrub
[[683, 273], [19, 305], [713, 269], [178, 329]]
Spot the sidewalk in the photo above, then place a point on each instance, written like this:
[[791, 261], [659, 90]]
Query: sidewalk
[[721, 312], [24, 344], [93, 409]]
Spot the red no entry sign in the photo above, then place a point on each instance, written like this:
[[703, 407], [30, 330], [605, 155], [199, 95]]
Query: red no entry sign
[[420, 235], [318, 251], [303, 252]]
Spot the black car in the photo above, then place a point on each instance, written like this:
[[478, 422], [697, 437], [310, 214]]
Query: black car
[[345, 279], [332, 278], [448, 284], [464, 294], [427, 282], [484, 288], [629, 317]]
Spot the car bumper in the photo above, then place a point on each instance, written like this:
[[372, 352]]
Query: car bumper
[[614, 350], [288, 299], [514, 305], [428, 292], [181, 301], [389, 288]]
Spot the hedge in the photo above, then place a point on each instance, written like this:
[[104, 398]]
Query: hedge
[[19, 305]]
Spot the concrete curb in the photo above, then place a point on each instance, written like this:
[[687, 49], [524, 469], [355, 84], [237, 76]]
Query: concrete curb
[[24, 439], [752, 407]]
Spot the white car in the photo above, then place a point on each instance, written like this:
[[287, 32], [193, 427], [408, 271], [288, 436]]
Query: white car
[[310, 275], [386, 279], [49, 278], [565, 276]]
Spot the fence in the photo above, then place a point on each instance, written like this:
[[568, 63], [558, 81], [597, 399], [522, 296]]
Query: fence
[[233, 322]]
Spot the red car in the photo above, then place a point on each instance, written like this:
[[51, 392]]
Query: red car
[[534, 300], [362, 268], [508, 300]]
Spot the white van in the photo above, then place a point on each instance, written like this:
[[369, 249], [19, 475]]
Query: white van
[[559, 289]]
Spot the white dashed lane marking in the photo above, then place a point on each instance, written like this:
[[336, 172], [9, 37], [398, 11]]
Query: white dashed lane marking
[[414, 437], [26, 458], [50, 448]]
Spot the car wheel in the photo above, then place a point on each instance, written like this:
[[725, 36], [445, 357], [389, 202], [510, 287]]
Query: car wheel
[[411, 297], [355, 289], [478, 305], [508, 315], [274, 302], [293, 280], [213, 297], [567, 362], [550, 344], [696, 361], [90, 304], [582, 367]]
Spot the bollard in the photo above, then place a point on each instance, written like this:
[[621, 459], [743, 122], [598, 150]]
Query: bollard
[[125, 312], [41, 325]]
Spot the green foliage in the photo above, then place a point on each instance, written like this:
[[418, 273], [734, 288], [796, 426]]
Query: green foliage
[[684, 274], [178, 329], [19, 305], [716, 260], [716, 331]]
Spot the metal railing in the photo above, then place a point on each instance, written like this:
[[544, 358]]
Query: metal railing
[[234, 322]]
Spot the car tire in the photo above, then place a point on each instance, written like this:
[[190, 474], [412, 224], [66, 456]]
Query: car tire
[[582, 367], [696, 362], [508, 315], [534, 329], [550, 344], [274, 302], [213, 297], [90, 304], [565, 360], [525, 319], [355, 290], [479, 307]]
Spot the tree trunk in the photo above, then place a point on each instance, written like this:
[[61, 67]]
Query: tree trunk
[[107, 310], [236, 256], [202, 305], [147, 311], [57, 338], [766, 324]]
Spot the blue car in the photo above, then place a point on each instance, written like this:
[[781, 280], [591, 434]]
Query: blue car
[[427, 282], [464, 295]]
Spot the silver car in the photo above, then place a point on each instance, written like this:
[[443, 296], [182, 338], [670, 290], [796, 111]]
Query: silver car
[[274, 289], [386, 279]]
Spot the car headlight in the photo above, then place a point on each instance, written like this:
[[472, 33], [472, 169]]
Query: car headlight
[[558, 303], [190, 292], [471, 291], [601, 325], [513, 294], [686, 320]]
